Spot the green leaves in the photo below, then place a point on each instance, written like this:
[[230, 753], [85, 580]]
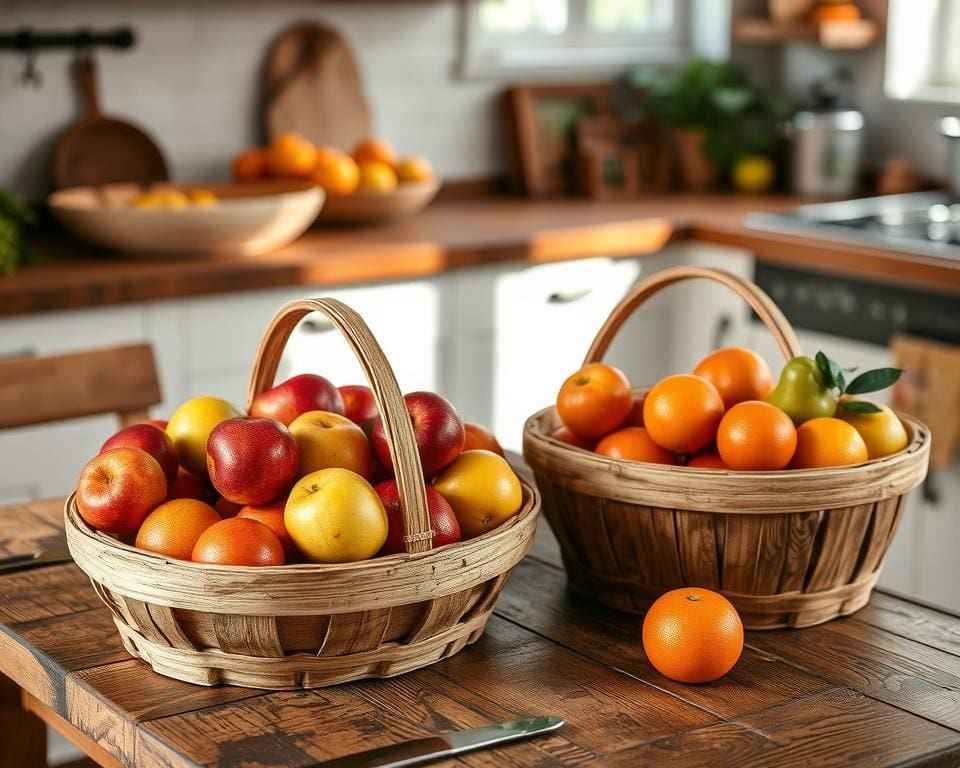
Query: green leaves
[[831, 372], [873, 381], [859, 406], [15, 217], [868, 381]]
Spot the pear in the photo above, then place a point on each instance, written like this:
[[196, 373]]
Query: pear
[[801, 392]]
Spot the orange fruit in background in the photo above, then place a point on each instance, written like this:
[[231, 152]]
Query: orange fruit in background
[[249, 165], [634, 444], [373, 149], [172, 529], [828, 442], [738, 374], [336, 172], [595, 400], [271, 515], [835, 12], [414, 168], [478, 437], [238, 541], [755, 435], [376, 176], [707, 461], [692, 635], [682, 412], [568, 436], [291, 156]]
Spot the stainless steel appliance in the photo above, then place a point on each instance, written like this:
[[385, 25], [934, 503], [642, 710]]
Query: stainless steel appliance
[[950, 127]]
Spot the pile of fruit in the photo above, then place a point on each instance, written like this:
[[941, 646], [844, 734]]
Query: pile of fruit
[[373, 166], [727, 414], [170, 197], [293, 481]]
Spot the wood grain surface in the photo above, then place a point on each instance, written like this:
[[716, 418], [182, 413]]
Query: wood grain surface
[[879, 688]]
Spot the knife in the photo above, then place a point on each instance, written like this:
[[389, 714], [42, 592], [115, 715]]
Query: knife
[[34, 559], [419, 751]]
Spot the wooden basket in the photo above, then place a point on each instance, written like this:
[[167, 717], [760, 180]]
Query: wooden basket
[[629, 531], [305, 626]]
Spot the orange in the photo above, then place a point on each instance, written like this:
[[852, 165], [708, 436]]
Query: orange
[[414, 168], [692, 635], [755, 435], [707, 461], [595, 400], [172, 529], [568, 436], [238, 541], [634, 444], [482, 489], [375, 150], [336, 172], [835, 12], [271, 515], [738, 374], [291, 156], [635, 419], [376, 176], [682, 412], [883, 432], [250, 164], [828, 442], [479, 437]]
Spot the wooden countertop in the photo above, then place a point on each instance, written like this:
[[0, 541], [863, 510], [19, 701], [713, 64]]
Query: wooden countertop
[[453, 234], [879, 688]]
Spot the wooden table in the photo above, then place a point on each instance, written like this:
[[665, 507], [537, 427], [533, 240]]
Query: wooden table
[[879, 688]]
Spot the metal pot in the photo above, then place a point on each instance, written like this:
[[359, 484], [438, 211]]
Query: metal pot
[[950, 127], [827, 151]]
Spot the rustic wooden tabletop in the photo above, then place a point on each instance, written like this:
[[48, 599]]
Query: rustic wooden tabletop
[[879, 688]]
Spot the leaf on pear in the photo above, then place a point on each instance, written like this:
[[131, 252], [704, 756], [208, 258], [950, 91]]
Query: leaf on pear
[[873, 381], [860, 406]]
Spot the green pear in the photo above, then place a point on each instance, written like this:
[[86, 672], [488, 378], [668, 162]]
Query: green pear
[[801, 392]]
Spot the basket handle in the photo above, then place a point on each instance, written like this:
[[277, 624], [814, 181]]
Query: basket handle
[[759, 301], [386, 392]]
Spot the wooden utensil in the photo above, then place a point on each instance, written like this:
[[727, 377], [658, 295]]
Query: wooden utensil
[[312, 86], [103, 150]]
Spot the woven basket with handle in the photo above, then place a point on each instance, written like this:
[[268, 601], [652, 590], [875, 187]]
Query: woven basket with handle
[[305, 626], [789, 548]]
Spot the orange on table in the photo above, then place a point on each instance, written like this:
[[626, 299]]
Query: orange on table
[[373, 149], [738, 374], [828, 442], [595, 400], [377, 176], [754, 435], [172, 529], [336, 172], [414, 168], [238, 541], [250, 164], [682, 412], [692, 635], [707, 461], [271, 515], [291, 156], [634, 444]]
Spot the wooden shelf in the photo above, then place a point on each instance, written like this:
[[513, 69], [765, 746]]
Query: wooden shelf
[[838, 35]]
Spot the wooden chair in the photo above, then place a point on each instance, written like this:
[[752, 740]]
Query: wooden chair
[[39, 390]]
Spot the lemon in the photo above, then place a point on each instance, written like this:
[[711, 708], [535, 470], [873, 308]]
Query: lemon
[[753, 173], [883, 432]]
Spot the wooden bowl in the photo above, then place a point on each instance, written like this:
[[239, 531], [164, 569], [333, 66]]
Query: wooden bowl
[[364, 206], [247, 220]]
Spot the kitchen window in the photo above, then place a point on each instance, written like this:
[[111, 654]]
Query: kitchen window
[[923, 50], [533, 36]]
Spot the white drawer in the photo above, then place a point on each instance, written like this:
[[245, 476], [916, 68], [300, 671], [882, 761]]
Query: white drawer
[[54, 332]]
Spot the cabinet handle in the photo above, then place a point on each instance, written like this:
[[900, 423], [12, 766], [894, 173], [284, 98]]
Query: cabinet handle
[[317, 325], [568, 297]]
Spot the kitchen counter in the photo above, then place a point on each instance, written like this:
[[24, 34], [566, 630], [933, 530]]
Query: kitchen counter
[[452, 234], [879, 688]]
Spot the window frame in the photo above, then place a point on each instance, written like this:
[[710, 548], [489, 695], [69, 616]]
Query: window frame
[[916, 67]]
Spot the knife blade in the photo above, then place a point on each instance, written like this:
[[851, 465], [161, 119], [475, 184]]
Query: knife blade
[[48, 556], [420, 751]]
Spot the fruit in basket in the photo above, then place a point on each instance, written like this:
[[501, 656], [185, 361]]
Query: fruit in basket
[[327, 440], [443, 521], [359, 405], [482, 489], [437, 427], [755, 435], [373, 149], [250, 165], [227, 508], [682, 412], [271, 515], [252, 461], [634, 444], [828, 442], [151, 439], [335, 516], [595, 400], [336, 172], [376, 176], [476, 436], [413, 168], [707, 461], [882, 432], [692, 635], [291, 156], [158, 423], [738, 374], [566, 435], [801, 392], [297, 395], [188, 486], [191, 425], [118, 488], [238, 541], [173, 528]]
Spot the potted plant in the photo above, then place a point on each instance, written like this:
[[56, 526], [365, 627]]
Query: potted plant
[[15, 219]]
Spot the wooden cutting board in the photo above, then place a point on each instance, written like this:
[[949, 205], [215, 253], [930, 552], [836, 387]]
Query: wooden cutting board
[[311, 85]]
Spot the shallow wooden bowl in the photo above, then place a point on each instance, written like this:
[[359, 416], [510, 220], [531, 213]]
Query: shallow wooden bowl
[[248, 219], [407, 199]]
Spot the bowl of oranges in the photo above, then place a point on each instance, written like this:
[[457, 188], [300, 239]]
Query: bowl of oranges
[[782, 494], [371, 183]]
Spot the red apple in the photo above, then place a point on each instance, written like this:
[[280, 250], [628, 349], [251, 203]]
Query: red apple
[[187, 486], [443, 522], [437, 427], [151, 439], [119, 488], [252, 461], [300, 394], [158, 423], [359, 405]]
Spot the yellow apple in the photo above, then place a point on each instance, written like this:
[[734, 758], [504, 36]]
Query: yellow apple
[[329, 440], [190, 426], [482, 489]]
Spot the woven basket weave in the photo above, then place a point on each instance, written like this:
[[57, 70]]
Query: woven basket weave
[[305, 626], [789, 548]]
